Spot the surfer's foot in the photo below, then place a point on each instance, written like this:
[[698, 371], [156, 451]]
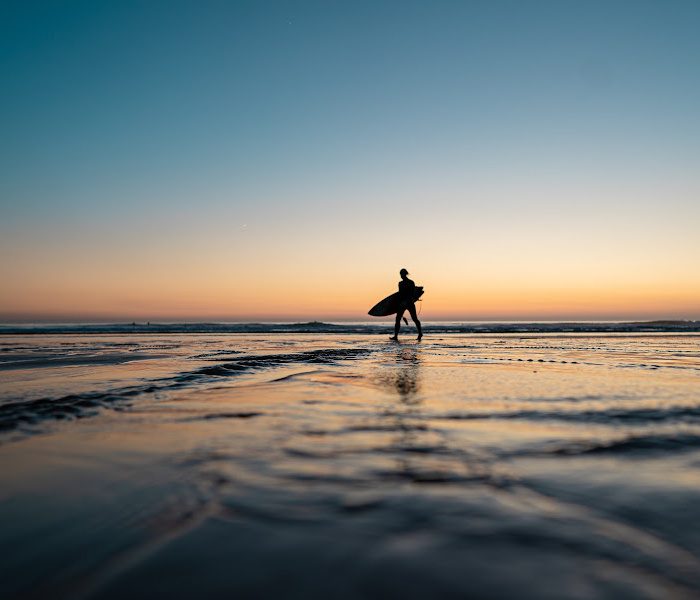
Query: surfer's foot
[[420, 336], [395, 338]]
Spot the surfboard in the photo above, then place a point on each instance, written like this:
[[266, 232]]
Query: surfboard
[[390, 304]]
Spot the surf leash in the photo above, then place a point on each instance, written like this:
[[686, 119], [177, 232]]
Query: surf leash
[[420, 308]]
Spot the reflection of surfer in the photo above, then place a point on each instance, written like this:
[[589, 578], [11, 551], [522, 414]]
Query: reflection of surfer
[[407, 290]]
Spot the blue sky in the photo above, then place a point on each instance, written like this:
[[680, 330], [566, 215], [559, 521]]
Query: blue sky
[[328, 121]]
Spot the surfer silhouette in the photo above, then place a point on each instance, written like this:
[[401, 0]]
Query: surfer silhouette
[[407, 290]]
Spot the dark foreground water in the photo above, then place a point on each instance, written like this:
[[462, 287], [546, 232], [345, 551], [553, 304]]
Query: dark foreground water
[[344, 466]]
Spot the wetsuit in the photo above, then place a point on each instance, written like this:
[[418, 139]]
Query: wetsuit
[[406, 292]]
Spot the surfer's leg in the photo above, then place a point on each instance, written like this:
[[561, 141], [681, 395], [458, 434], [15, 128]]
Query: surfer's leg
[[414, 316], [397, 325]]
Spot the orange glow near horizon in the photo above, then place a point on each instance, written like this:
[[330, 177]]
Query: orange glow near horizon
[[196, 266], [282, 295]]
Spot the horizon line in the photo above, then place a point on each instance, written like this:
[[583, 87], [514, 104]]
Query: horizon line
[[121, 320]]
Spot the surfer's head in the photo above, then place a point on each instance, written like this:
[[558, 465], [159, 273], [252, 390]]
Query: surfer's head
[[403, 272]]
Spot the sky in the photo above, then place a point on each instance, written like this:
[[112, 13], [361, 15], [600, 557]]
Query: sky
[[524, 160]]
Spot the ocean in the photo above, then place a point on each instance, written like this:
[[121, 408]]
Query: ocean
[[323, 460]]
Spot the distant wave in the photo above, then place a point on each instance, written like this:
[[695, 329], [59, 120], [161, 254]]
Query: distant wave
[[346, 328]]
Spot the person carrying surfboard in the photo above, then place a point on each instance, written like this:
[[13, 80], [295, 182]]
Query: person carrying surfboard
[[407, 290]]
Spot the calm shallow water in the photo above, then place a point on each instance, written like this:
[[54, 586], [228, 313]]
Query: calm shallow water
[[314, 465]]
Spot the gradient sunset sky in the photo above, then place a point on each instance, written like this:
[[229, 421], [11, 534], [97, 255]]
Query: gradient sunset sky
[[283, 160]]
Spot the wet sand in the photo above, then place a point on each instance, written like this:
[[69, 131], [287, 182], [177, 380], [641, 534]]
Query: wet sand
[[540, 466]]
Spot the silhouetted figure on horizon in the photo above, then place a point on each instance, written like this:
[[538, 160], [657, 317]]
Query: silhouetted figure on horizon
[[407, 289]]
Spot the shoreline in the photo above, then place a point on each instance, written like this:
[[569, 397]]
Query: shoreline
[[359, 328]]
